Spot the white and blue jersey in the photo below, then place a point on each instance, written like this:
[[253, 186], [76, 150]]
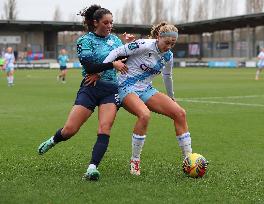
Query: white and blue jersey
[[144, 62], [9, 61], [261, 59], [63, 59], [95, 49]]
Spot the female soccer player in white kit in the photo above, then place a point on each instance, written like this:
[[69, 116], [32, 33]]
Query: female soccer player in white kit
[[146, 59], [260, 63], [9, 66]]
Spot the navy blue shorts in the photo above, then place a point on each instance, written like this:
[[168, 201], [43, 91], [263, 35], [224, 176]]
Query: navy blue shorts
[[103, 92], [63, 67]]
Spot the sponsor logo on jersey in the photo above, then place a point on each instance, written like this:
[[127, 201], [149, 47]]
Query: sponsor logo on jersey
[[133, 46], [150, 70]]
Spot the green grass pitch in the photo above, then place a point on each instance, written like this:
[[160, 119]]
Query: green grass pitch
[[225, 112]]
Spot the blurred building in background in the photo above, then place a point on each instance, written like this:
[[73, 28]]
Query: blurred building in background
[[239, 37]]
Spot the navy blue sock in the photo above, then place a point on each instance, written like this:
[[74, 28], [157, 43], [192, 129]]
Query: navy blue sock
[[58, 137], [99, 148]]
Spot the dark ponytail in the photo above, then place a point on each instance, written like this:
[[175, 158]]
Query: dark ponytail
[[94, 12]]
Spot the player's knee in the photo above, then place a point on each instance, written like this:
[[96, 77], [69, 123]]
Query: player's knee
[[145, 116], [105, 127], [180, 115]]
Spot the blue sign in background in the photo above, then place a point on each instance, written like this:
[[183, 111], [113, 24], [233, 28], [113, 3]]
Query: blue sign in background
[[229, 63]]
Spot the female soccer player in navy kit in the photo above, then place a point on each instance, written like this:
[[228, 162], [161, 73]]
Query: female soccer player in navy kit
[[92, 48], [148, 58]]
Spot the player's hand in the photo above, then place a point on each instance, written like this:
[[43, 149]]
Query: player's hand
[[90, 79], [120, 66], [127, 38]]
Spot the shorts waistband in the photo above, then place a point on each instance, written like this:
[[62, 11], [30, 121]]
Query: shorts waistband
[[102, 83]]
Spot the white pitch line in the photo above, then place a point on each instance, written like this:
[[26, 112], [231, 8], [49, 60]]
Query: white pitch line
[[224, 97], [218, 102]]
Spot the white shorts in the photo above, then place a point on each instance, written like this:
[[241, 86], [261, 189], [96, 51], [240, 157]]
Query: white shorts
[[9, 69], [261, 64]]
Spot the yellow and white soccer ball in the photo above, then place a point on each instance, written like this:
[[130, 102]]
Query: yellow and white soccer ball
[[194, 165]]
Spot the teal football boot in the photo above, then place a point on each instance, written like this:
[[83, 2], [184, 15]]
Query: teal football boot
[[91, 174], [45, 146]]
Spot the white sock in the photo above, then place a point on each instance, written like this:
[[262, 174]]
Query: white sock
[[137, 145], [52, 138], [11, 79], [185, 143], [257, 73], [91, 166], [8, 79]]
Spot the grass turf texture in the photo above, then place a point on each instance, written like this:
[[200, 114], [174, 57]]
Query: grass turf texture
[[224, 130]]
